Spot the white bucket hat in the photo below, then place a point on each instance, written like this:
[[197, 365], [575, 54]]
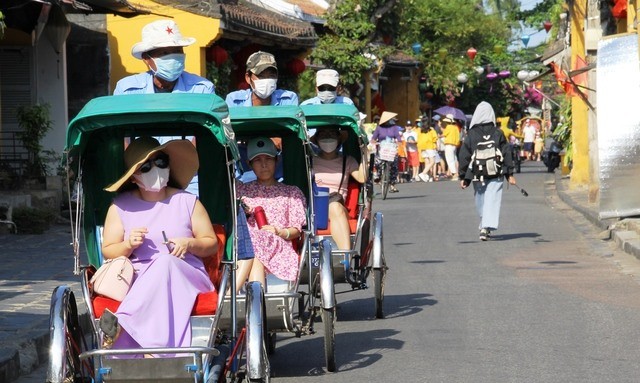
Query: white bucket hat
[[160, 34]]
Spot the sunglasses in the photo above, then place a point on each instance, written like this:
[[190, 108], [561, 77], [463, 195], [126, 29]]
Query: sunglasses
[[324, 88], [161, 161]]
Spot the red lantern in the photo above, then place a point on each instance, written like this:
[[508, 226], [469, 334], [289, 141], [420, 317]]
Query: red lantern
[[217, 55], [471, 52], [296, 66], [547, 25]]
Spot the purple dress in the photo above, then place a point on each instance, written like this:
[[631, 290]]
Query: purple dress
[[284, 206], [156, 311]]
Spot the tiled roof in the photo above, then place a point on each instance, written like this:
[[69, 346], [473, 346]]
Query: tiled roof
[[244, 16], [399, 58], [240, 16]]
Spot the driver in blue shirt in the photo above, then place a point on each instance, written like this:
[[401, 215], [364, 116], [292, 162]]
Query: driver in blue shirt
[[262, 77], [161, 49]]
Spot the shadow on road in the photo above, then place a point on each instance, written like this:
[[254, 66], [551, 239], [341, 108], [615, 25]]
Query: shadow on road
[[506, 237], [394, 306], [354, 350]]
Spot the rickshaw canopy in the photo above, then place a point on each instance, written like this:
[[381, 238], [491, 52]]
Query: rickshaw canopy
[[287, 125], [342, 116], [96, 145]]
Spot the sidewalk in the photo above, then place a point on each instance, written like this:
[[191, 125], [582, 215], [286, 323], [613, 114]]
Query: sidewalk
[[625, 232], [33, 265]]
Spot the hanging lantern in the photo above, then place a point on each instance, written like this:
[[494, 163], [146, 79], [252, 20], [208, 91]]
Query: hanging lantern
[[442, 53], [547, 25], [525, 40], [471, 52], [417, 48], [504, 74], [217, 55], [296, 66], [491, 77], [479, 70], [523, 75], [533, 74], [498, 49], [462, 79]]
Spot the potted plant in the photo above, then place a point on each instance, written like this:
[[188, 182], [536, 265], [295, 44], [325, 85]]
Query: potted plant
[[35, 123]]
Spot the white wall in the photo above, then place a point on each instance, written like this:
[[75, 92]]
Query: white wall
[[51, 87]]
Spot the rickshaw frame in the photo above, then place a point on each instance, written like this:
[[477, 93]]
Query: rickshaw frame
[[288, 123], [367, 254], [99, 132]]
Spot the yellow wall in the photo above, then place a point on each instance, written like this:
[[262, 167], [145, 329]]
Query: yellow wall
[[123, 33], [579, 110]]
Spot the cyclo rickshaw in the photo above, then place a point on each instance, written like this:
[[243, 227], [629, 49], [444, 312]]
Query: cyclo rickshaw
[[367, 255], [290, 306], [94, 149]]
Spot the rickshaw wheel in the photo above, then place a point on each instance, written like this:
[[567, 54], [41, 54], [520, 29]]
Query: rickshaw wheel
[[378, 290], [67, 341], [328, 321]]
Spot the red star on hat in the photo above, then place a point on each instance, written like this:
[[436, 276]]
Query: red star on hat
[[169, 31]]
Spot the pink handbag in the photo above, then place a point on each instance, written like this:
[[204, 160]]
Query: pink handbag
[[114, 278]]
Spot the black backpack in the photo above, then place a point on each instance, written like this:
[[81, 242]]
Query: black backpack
[[487, 159]]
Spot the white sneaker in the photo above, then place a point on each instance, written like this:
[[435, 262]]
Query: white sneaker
[[424, 177]]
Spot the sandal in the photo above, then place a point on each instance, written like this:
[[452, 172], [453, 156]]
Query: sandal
[[110, 328], [393, 189]]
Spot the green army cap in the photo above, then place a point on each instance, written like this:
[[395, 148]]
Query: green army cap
[[259, 61]]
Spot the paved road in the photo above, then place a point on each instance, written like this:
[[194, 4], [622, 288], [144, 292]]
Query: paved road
[[545, 301]]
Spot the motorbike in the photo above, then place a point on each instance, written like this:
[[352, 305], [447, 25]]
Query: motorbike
[[551, 154]]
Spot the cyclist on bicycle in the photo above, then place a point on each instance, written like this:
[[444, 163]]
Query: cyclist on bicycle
[[387, 130]]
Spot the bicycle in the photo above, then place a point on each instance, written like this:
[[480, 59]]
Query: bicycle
[[387, 152]]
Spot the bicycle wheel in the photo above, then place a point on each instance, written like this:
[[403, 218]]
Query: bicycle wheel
[[67, 341], [328, 321], [385, 181]]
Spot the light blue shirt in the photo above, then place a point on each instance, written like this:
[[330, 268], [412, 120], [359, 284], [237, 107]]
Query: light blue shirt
[[338, 100], [279, 97], [142, 83]]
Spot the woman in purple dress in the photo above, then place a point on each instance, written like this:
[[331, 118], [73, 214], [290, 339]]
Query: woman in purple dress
[[284, 207], [169, 273]]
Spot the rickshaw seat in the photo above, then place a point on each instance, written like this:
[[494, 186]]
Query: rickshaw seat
[[351, 203], [205, 304]]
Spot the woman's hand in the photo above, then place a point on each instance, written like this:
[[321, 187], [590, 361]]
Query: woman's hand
[[270, 229], [180, 246], [136, 237]]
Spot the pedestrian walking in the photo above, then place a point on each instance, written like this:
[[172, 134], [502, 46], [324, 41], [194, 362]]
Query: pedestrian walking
[[451, 135], [410, 137], [485, 160], [529, 133], [427, 146]]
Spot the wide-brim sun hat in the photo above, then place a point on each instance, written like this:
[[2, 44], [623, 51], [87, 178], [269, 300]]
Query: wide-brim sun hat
[[341, 139], [183, 160], [160, 34], [387, 116]]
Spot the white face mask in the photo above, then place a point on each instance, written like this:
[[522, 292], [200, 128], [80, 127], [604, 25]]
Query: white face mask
[[264, 88], [328, 145], [153, 180], [327, 96]]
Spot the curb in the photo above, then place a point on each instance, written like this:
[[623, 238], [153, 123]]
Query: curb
[[30, 354], [625, 233]]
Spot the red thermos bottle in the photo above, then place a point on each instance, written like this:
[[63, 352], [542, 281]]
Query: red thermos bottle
[[260, 217]]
